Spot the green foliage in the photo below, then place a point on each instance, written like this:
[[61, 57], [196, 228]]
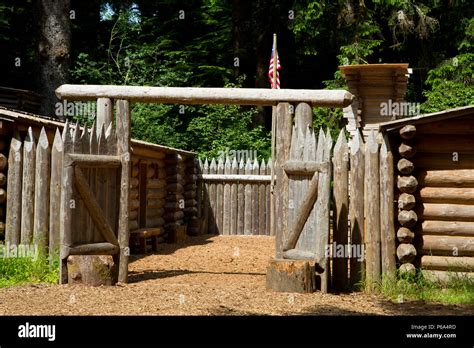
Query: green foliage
[[25, 270], [227, 126], [307, 16], [146, 43], [206, 129], [451, 83], [457, 289]]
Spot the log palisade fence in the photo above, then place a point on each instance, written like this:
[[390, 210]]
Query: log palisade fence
[[42, 196], [234, 197]]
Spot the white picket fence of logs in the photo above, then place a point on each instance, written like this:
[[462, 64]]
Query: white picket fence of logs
[[234, 196]]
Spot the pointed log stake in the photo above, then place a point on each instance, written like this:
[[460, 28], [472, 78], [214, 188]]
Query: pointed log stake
[[341, 206], [65, 215], [13, 220], [356, 207], [27, 201], [55, 193], [372, 212], [41, 221], [387, 225], [303, 213]]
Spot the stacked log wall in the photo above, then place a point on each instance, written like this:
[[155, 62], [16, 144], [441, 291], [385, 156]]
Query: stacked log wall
[[438, 198]]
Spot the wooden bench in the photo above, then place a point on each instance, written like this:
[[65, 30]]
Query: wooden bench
[[142, 235]]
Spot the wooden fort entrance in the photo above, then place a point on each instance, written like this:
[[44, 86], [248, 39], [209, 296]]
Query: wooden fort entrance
[[302, 197], [94, 194], [302, 173]]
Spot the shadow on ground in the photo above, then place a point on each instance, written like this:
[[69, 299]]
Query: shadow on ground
[[135, 277]]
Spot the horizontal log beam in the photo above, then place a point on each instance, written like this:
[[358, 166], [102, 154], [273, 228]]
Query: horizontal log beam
[[192, 95], [140, 152], [444, 144], [234, 177], [443, 161], [452, 228], [447, 212], [95, 161], [294, 254], [444, 276], [447, 195], [447, 178], [94, 249], [448, 245], [462, 125], [448, 263], [295, 167]]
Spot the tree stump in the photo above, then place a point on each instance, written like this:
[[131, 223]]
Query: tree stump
[[291, 276], [91, 270]]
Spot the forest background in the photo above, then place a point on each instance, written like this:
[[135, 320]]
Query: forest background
[[218, 43]]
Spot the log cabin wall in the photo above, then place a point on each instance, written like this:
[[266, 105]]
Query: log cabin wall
[[435, 193]]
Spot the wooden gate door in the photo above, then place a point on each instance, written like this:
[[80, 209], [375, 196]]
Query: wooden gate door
[[302, 193], [94, 192]]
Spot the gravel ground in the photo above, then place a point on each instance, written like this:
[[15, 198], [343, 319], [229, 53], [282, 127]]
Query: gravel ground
[[208, 275]]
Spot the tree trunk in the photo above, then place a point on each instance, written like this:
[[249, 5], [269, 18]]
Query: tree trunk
[[54, 49]]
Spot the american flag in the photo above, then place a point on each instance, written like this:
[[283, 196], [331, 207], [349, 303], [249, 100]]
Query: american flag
[[270, 70]]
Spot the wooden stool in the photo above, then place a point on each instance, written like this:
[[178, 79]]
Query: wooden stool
[[143, 234]]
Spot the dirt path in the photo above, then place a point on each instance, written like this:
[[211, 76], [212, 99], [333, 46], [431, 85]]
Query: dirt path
[[206, 276]]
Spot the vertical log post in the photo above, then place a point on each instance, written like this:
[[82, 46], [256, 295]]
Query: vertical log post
[[233, 193], [372, 213], [15, 165], [104, 113], [123, 142], [341, 206], [227, 200], [268, 194], [261, 201], [219, 207], [322, 217], [55, 193], [248, 201], [387, 227], [28, 187], [65, 214], [356, 207], [241, 201], [255, 171], [42, 183], [283, 136], [212, 198]]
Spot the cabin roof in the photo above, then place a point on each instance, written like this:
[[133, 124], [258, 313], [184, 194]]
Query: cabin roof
[[48, 122], [427, 118]]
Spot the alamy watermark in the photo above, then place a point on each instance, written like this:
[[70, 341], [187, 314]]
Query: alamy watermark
[[239, 155], [354, 251], [75, 109], [394, 109], [23, 250]]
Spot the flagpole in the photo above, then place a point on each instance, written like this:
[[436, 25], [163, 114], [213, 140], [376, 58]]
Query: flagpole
[[272, 184]]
